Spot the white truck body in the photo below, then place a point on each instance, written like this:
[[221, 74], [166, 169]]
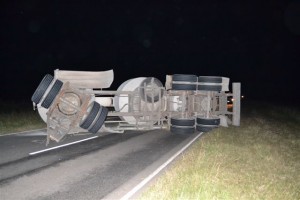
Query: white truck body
[[75, 101]]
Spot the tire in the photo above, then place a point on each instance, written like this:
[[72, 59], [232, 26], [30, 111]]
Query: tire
[[209, 83], [208, 121], [41, 89], [149, 98], [182, 122], [176, 86], [87, 122], [52, 94], [185, 77], [204, 128], [215, 88], [177, 78], [207, 124], [100, 120], [182, 130], [210, 79]]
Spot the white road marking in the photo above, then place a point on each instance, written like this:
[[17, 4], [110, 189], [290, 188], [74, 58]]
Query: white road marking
[[64, 145], [153, 174]]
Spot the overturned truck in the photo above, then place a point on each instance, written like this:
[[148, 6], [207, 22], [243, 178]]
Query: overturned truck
[[72, 102]]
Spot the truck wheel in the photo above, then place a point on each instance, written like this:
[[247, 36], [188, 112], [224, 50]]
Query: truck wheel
[[215, 88], [176, 86], [209, 83], [182, 126], [185, 77], [181, 82], [100, 120], [52, 94], [210, 79], [208, 121], [41, 89], [207, 124], [182, 122], [86, 123]]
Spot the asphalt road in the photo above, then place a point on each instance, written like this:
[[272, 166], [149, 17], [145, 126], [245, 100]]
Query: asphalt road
[[107, 166]]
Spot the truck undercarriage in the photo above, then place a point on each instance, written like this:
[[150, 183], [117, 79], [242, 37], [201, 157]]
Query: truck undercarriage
[[74, 101]]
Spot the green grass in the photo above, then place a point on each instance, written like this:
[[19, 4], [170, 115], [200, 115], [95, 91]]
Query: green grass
[[259, 160], [15, 117]]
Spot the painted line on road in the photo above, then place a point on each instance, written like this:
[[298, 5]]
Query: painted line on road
[[64, 145], [153, 174]]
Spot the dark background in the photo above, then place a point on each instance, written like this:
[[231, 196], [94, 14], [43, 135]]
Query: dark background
[[255, 42]]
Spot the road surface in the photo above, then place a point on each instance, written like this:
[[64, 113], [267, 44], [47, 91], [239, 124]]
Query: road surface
[[99, 166]]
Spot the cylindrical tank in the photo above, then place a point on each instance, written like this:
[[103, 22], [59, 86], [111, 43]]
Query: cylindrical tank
[[145, 97]]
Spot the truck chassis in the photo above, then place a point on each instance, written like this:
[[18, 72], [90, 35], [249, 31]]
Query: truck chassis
[[70, 104]]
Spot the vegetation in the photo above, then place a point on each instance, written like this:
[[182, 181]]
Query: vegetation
[[15, 117], [259, 160]]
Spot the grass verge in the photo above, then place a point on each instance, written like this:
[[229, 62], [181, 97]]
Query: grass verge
[[15, 117], [259, 160]]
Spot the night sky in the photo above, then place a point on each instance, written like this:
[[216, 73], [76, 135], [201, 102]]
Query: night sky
[[255, 42]]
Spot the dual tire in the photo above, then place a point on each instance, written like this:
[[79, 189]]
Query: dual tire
[[192, 82], [209, 83], [207, 124], [182, 126], [92, 122], [43, 87], [95, 118], [184, 82], [187, 126]]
